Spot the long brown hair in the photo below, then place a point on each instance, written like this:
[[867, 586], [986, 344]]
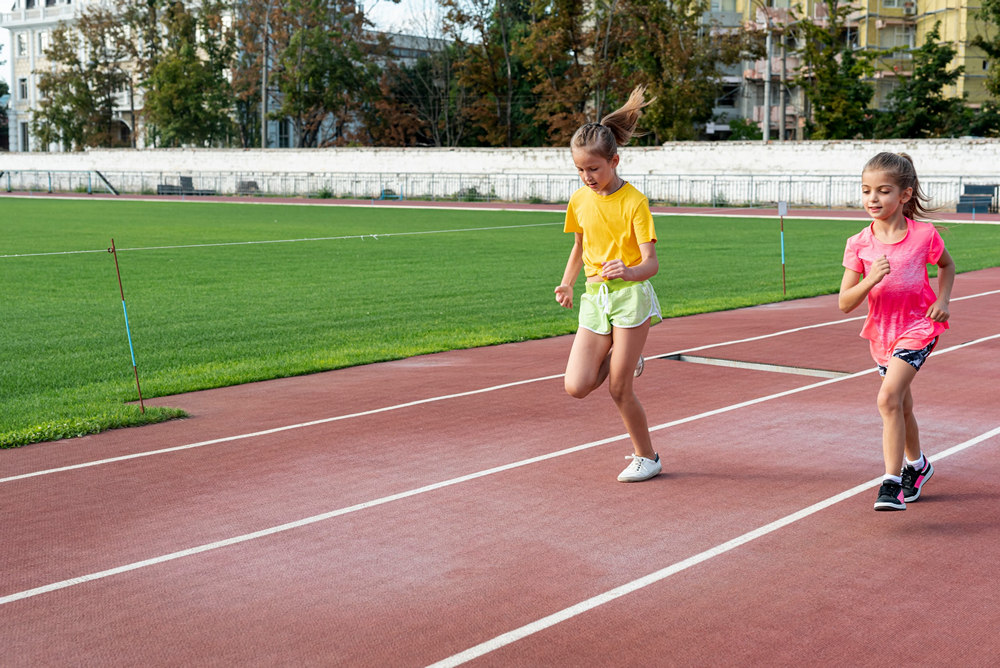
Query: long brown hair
[[616, 129], [899, 167]]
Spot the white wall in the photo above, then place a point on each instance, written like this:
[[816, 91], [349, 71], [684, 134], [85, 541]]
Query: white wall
[[951, 157]]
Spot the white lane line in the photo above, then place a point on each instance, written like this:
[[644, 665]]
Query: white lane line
[[585, 606], [312, 423], [275, 430], [422, 490]]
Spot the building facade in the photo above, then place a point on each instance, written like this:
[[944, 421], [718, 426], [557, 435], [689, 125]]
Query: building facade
[[765, 88], [30, 23]]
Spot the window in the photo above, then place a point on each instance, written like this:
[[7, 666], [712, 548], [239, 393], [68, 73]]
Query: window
[[904, 36], [43, 42], [22, 45], [892, 4], [24, 137], [22, 89], [283, 134]]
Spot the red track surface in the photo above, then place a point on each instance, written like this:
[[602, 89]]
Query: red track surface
[[430, 507]]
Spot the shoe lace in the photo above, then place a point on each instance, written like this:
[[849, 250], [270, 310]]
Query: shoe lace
[[636, 461], [909, 476]]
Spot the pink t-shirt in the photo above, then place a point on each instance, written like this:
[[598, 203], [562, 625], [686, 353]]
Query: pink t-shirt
[[897, 306]]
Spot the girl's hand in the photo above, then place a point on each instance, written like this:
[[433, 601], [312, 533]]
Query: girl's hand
[[564, 295], [938, 312], [880, 269], [613, 269]]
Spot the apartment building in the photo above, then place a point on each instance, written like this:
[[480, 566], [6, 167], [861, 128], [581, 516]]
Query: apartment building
[[875, 25], [886, 24]]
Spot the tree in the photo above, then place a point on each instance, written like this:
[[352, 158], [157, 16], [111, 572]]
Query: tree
[[918, 106], [77, 102], [424, 104], [556, 52], [4, 91], [670, 47], [833, 77], [188, 97], [325, 75], [490, 69]]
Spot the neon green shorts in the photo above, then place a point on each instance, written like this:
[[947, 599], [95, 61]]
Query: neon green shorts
[[618, 303]]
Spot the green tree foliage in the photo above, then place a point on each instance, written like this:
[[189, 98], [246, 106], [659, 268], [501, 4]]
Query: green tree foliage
[[422, 105], [554, 52], [188, 96], [77, 105], [326, 73], [4, 90], [833, 77], [669, 45], [743, 129], [492, 70], [918, 106]]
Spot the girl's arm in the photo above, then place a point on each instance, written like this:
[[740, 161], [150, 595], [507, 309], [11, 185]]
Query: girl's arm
[[564, 293], [938, 311], [854, 289], [645, 270]]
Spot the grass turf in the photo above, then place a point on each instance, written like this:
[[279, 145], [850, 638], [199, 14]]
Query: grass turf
[[218, 294]]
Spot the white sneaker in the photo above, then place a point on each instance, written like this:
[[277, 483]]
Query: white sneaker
[[640, 469], [639, 366]]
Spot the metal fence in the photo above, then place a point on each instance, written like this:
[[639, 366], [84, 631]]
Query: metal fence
[[730, 190]]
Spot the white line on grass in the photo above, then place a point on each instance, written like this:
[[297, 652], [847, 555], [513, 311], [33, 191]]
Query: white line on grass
[[376, 236], [37, 591], [662, 574]]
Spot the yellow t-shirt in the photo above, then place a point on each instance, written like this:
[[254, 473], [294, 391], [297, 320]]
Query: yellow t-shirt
[[613, 226]]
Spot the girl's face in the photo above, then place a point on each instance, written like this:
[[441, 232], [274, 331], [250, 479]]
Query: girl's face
[[882, 196], [596, 171]]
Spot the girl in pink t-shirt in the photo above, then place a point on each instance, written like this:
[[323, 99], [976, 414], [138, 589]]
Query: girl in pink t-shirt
[[887, 264]]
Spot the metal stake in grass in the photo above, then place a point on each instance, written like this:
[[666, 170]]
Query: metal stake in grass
[[782, 212], [128, 333]]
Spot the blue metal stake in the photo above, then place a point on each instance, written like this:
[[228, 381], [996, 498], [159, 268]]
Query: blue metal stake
[[128, 332]]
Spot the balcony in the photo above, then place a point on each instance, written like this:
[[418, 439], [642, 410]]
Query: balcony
[[36, 14]]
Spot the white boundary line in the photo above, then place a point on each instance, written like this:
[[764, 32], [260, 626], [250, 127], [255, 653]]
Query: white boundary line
[[37, 591], [585, 606], [384, 409]]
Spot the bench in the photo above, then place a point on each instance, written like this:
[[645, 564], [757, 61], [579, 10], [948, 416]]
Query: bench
[[978, 199], [247, 188], [185, 188]]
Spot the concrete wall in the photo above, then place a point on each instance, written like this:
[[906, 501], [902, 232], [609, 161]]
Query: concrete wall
[[951, 157]]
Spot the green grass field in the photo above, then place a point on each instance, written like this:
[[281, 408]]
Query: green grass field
[[211, 303]]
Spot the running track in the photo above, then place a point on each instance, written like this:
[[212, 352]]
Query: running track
[[461, 507]]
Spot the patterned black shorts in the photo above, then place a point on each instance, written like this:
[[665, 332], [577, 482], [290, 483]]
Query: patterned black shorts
[[914, 358]]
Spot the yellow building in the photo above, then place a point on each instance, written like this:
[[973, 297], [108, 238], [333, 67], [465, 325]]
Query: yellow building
[[872, 25], [885, 24]]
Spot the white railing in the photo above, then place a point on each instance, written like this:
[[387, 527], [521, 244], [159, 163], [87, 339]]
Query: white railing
[[733, 190]]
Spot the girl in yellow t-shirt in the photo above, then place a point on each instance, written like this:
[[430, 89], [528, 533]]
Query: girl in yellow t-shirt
[[615, 242]]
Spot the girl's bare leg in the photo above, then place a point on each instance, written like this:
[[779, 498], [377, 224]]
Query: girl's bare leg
[[588, 363], [628, 345], [899, 427]]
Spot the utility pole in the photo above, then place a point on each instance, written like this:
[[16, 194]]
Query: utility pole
[[263, 78], [781, 92], [766, 125]]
